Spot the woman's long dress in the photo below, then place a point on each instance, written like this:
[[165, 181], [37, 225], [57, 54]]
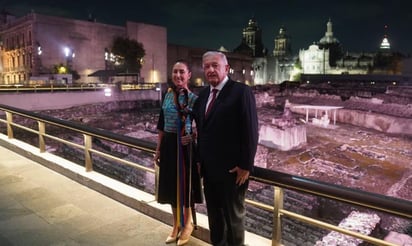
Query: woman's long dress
[[189, 177]]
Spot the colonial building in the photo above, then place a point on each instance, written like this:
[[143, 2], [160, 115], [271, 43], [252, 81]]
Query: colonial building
[[323, 57], [251, 45], [33, 45], [251, 40], [314, 60], [267, 68], [327, 57], [283, 61]]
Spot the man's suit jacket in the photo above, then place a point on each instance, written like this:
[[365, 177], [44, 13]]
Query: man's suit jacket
[[228, 136]]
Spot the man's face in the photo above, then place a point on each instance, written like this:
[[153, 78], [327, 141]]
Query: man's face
[[215, 70]]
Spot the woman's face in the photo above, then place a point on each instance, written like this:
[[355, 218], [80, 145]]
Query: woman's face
[[181, 75]]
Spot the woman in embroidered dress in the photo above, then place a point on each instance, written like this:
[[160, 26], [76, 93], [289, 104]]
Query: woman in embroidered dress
[[179, 180]]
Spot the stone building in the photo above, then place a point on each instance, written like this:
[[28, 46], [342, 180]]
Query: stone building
[[327, 57], [267, 67], [251, 40], [324, 57], [32, 45], [251, 45], [283, 61], [314, 60]]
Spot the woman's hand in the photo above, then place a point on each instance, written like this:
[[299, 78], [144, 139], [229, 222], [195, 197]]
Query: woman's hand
[[186, 139]]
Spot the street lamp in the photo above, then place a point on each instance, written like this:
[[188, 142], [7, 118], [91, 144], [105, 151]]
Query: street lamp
[[109, 59], [69, 54], [106, 58], [37, 66], [159, 89]]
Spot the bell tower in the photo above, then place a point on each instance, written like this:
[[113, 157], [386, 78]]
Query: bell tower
[[252, 37], [283, 45]]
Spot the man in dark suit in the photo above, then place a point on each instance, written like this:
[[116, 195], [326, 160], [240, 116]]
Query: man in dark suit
[[227, 128]]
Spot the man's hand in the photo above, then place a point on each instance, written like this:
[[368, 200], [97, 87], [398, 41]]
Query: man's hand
[[241, 175], [199, 169], [156, 157]]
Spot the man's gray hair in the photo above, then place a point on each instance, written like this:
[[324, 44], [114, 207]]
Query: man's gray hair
[[215, 53]]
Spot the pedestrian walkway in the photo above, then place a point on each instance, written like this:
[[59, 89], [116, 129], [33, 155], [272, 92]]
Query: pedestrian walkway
[[39, 206]]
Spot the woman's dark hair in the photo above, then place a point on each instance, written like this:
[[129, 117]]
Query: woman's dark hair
[[189, 68]]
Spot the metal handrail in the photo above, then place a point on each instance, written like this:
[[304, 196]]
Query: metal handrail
[[280, 181], [351, 196], [77, 127]]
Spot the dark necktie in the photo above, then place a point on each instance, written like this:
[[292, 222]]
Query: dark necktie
[[214, 91]]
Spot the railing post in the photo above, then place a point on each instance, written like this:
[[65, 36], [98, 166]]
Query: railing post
[[277, 220], [87, 154], [42, 131], [9, 118]]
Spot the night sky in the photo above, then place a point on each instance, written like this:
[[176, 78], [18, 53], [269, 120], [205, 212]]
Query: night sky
[[358, 25]]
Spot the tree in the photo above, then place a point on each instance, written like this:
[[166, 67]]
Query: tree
[[296, 73], [128, 53], [64, 69], [389, 61]]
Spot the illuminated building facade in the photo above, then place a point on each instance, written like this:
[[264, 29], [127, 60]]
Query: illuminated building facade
[[267, 68], [314, 60], [33, 45], [283, 61], [251, 40], [325, 56]]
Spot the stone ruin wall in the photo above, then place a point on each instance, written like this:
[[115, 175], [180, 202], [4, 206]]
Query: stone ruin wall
[[387, 113]]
